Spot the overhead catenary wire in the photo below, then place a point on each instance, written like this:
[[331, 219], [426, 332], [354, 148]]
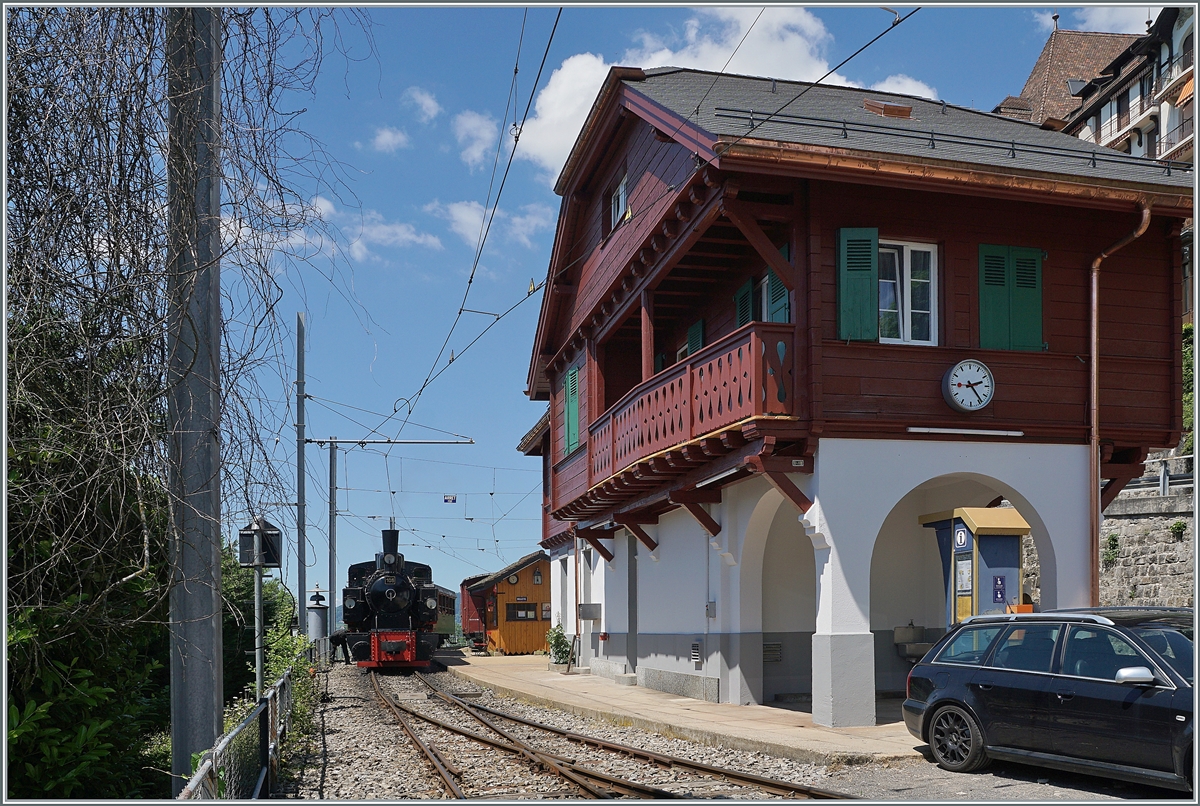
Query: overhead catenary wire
[[431, 375]]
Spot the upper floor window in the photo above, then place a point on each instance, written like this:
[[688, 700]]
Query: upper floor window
[[1010, 298], [619, 211], [887, 292], [763, 300]]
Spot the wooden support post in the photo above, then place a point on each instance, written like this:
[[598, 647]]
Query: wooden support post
[[703, 518], [770, 470], [647, 335], [634, 524], [593, 536], [762, 244]]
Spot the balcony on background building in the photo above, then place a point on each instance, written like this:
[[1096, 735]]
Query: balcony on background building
[[1173, 141], [1173, 73]]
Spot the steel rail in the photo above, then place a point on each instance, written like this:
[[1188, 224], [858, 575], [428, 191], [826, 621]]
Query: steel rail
[[430, 754], [772, 785], [621, 785]]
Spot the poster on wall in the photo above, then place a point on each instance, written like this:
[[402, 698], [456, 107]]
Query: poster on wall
[[962, 576]]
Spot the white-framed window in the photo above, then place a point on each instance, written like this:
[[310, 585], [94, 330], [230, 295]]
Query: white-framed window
[[908, 293], [620, 204]]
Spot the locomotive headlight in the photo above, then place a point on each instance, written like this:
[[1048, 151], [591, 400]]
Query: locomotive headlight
[[431, 603], [350, 602], [389, 559]]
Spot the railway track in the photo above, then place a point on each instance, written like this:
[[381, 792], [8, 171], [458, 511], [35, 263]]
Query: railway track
[[471, 746]]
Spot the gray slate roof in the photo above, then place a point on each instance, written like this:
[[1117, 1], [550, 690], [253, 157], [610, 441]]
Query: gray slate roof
[[834, 117]]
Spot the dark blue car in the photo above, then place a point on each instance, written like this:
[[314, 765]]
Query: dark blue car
[[1103, 691]]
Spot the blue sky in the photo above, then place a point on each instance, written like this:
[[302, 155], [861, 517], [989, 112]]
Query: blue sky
[[418, 129]]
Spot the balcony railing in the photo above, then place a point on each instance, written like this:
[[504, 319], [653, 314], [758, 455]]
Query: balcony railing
[[1176, 137], [1178, 67], [748, 373], [1138, 109]]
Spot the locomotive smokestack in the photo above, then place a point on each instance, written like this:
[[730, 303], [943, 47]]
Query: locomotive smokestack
[[391, 541]]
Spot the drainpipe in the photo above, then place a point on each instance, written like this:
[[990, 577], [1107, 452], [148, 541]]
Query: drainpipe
[[1094, 396]]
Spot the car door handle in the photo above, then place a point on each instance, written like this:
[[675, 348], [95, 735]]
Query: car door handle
[[985, 685], [1063, 696]]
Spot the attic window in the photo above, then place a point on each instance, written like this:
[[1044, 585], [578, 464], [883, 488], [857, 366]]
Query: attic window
[[619, 207], [887, 110]]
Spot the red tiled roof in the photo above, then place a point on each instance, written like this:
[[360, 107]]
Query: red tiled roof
[[1066, 55]]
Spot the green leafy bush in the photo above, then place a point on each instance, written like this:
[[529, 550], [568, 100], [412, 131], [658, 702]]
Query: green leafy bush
[[560, 646]]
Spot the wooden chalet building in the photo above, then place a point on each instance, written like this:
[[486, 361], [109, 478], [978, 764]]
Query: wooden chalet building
[[510, 609], [757, 292]]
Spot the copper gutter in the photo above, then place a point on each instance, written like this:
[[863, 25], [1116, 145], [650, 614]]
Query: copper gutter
[[1094, 397]]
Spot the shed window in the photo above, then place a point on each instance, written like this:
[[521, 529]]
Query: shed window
[[887, 292], [619, 205], [522, 611], [1010, 298]]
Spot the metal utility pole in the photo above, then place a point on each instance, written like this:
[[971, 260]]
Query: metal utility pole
[[193, 406], [329, 623], [259, 644], [301, 525], [333, 443]]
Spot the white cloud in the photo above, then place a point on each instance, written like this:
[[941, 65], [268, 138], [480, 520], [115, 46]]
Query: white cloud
[[534, 217], [906, 85], [476, 134], [467, 221], [465, 217], [1113, 19], [427, 106], [369, 228], [786, 42], [560, 110], [388, 140], [1044, 20]]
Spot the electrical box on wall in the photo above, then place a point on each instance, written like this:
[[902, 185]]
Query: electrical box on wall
[[589, 611], [981, 559]]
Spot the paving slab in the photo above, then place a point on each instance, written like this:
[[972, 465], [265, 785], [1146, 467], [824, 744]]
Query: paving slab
[[781, 731]]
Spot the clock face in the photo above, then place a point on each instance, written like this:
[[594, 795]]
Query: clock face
[[512, 580], [968, 385]]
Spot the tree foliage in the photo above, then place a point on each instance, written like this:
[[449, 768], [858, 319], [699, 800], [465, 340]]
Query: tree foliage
[[88, 511]]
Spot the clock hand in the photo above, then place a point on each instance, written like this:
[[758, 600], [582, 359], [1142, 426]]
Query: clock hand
[[972, 386]]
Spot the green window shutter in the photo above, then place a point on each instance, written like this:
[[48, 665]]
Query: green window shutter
[[743, 303], [696, 337], [858, 284], [660, 361], [777, 299], [994, 297], [1025, 299], [571, 387]]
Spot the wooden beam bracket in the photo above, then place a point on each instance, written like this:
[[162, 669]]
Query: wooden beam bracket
[[703, 518], [762, 244], [593, 537], [779, 480]]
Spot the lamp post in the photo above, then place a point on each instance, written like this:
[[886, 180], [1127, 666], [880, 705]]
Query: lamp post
[[259, 547]]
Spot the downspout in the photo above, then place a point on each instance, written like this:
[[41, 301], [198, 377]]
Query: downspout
[[1094, 397]]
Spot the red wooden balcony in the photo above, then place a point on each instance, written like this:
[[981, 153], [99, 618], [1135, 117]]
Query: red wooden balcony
[[749, 373]]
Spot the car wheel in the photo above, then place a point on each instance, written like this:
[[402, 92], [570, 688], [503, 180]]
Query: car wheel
[[956, 740]]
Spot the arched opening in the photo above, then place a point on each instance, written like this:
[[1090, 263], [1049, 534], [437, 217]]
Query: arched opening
[[907, 583], [789, 611]]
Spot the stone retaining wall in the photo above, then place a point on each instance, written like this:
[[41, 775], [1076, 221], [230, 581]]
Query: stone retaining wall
[[1147, 563]]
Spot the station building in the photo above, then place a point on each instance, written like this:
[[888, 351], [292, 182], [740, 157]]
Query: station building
[[788, 326]]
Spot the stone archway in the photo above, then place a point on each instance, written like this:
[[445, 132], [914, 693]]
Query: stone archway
[[906, 568]]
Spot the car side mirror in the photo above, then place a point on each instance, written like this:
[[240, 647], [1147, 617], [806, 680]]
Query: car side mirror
[[1136, 676]]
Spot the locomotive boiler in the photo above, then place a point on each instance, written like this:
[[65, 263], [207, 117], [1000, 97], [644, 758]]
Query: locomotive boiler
[[390, 608]]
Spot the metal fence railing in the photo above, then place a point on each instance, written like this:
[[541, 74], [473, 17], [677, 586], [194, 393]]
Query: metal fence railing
[[244, 764]]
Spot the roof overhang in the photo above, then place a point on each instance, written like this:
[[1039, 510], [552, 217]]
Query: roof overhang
[[851, 165], [531, 443]]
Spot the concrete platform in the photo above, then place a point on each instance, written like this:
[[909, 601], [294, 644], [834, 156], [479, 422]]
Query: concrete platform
[[786, 730]]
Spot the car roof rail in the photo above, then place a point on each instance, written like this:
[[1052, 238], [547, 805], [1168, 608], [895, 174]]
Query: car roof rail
[[1061, 616]]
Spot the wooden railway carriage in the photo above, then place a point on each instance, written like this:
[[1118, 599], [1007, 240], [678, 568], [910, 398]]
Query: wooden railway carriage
[[445, 626]]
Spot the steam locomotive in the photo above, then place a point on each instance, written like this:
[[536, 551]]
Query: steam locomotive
[[390, 608]]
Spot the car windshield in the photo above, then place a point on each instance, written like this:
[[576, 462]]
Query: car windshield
[[1173, 644]]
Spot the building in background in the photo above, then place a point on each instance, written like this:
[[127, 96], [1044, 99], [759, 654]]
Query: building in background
[[510, 609]]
